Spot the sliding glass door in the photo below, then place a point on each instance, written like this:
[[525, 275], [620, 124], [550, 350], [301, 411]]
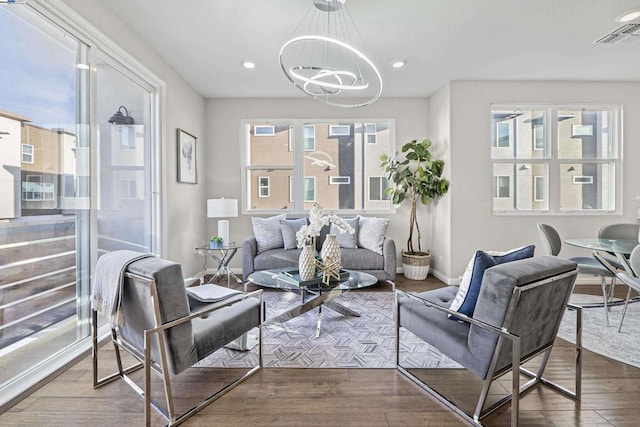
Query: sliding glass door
[[74, 182]]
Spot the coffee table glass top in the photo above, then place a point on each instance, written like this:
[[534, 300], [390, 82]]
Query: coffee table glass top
[[274, 279]]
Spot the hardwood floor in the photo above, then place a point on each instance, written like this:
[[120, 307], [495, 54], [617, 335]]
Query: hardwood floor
[[334, 397]]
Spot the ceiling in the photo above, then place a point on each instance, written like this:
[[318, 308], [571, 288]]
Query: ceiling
[[205, 41]]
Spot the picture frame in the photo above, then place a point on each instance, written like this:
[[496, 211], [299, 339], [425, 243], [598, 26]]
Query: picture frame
[[187, 157]]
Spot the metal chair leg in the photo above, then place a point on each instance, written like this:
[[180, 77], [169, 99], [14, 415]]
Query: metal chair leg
[[605, 297]]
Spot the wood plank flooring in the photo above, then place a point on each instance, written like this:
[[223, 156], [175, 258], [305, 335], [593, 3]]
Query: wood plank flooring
[[335, 397]]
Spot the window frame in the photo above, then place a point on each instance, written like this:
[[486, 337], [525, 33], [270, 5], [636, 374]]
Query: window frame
[[304, 139], [550, 157], [296, 163], [261, 186], [333, 130], [271, 133], [23, 153]]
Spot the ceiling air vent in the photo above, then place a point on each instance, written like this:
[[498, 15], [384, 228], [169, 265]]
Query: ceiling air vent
[[622, 35]]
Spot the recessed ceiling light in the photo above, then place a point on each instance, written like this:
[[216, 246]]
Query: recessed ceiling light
[[399, 63], [630, 15], [248, 64]]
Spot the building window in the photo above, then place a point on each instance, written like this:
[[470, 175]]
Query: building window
[[306, 163], [309, 188], [309, 137], [502, 187], [503, 135], [27, 153], [339, 130], [264, 186], [339, 180], [377, 187], [128, 189], [370, 133], [544, 155], [264, 130], [34, 190], [538, 188], [582, 179]]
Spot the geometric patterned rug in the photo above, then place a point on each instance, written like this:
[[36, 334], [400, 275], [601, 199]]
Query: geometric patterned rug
[[622, 346], [344, 342]]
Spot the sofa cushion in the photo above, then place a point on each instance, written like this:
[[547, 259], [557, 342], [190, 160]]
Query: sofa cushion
[[276, 258], [371, 232], [467, 296], [344, 238], [361, 259], [267, 232], [289, 228]]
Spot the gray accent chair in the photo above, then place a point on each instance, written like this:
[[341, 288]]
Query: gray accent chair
[[383, 267], [552, 244], [167, 336], [517, 316]]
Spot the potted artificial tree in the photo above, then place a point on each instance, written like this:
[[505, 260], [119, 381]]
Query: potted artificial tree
[[415, 178]]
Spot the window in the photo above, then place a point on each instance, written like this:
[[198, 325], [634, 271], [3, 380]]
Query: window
[[128, 189], [556, 159], [370, 133], [34, 190], [309, 188], [503, 135], [339, 180], [305, 163], [309, 137], [27, 153], [377, 187], [538, 183], [339, 130], [263, 186], [582, 179], [502, 187], [264, 130]]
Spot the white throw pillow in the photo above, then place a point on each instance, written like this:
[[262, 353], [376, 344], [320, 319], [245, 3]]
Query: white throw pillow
[[267, 232], [371, 233]]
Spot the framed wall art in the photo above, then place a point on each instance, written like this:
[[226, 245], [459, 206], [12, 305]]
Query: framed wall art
[[187, 157]]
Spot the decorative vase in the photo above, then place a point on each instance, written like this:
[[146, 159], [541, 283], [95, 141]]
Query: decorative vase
[[307, 263], [331, 255]]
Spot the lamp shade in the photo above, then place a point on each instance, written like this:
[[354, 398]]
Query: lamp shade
[[222, 208]]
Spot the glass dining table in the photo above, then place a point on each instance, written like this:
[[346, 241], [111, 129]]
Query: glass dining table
[[620, 247]]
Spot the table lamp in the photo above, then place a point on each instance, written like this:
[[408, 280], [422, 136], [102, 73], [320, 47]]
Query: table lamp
[[222, 208]]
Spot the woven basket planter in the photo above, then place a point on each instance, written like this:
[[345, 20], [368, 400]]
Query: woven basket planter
[[416, 267]]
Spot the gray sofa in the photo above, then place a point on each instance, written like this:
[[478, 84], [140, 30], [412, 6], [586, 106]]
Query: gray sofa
[[382, 266]]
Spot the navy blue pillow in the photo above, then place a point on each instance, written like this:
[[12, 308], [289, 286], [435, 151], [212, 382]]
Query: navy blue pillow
[[483, 261]]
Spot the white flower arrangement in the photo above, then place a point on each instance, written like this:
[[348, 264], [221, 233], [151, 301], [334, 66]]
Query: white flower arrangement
[[317, 220]]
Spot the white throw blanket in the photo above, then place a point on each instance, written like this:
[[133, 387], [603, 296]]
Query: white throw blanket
[[108, 281]]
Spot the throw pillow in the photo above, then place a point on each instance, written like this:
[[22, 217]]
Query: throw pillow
[[371, 233], [267, 232], [289, 228], [345, 239], [467, 296]]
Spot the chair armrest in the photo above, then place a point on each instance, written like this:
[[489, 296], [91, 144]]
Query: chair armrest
[[461, 316], [389, 257], [249, 252], [204, 311]]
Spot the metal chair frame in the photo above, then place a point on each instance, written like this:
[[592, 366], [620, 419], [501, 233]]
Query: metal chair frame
[[504, 335], [145, 361]]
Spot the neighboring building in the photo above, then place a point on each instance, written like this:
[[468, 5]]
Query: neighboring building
[[10, 164]]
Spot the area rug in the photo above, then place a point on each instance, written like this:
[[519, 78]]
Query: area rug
[[344, 342], [602, 339]]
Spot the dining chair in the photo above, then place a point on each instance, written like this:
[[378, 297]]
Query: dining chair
[[614, 232], [631, 280], [552, 244]]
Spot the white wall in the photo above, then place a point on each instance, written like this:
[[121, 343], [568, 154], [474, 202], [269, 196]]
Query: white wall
[[224, 142], [184, 108], [440, 211], [472, 226]]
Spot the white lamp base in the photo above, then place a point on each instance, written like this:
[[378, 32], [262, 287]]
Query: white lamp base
[[223, 231]]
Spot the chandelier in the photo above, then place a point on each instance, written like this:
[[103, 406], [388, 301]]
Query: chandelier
[[325, 64]]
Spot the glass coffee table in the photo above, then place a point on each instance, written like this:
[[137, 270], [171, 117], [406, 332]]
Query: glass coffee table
[[312, 295]]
